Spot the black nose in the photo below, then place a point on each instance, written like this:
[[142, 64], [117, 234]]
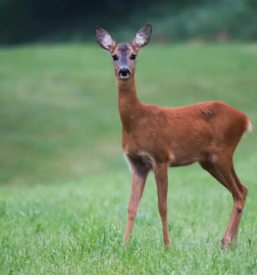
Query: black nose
[[124, 72]]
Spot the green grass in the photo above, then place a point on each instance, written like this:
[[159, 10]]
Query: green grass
[[64, 183]]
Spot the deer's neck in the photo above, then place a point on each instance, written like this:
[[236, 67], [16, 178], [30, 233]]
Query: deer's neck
[[129, 105]]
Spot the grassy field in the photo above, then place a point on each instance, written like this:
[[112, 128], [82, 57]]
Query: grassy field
[[65, 186]]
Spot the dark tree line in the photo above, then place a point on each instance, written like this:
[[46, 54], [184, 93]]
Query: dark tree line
[[44, 20]]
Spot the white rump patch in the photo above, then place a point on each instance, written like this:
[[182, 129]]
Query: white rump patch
[[249, 126]]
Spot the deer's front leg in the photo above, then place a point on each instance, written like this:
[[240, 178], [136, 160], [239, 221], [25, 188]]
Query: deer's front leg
[[161, 178], [139, 174]]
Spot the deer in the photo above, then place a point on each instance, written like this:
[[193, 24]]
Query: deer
[[155, 138]]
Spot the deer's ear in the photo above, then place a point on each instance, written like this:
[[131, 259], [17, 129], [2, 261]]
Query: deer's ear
[[142, 37], [104, 39]]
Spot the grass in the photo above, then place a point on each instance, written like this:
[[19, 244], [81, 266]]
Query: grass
[[64, 184]]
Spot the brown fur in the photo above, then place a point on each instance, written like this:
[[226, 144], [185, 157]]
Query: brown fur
[[155, 138]]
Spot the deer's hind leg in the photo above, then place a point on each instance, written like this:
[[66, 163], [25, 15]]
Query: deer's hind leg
[[223, 171], [239, 193]]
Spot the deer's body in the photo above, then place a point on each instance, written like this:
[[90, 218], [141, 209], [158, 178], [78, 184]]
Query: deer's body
[[155, 138], [183, 135]]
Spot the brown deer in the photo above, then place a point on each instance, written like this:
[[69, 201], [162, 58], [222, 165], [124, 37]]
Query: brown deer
[[155, 138]]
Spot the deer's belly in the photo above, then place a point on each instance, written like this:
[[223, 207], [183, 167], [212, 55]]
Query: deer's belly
[[184, 158]]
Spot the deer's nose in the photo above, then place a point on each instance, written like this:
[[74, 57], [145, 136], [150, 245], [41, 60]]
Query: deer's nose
[[124, 72]]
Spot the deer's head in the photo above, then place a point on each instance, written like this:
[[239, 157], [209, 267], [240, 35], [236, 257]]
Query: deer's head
[[124, 54]]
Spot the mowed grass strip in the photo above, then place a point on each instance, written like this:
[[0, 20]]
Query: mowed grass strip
[[65, 185], [77, 228]]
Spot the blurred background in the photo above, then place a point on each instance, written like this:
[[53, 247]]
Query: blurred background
[[24, 21], [58, 98]]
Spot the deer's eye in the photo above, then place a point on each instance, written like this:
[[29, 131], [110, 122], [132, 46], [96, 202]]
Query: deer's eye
[[133, 57], [115, 57]]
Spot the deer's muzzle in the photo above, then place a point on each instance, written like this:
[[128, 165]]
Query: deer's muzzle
[[124, 73]]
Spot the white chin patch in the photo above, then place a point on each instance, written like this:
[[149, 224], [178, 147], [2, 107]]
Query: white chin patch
[[124, 76]]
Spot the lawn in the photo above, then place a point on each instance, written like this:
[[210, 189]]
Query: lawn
[[64, 184]]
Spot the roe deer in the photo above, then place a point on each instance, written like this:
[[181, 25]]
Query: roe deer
[[155, 138]]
